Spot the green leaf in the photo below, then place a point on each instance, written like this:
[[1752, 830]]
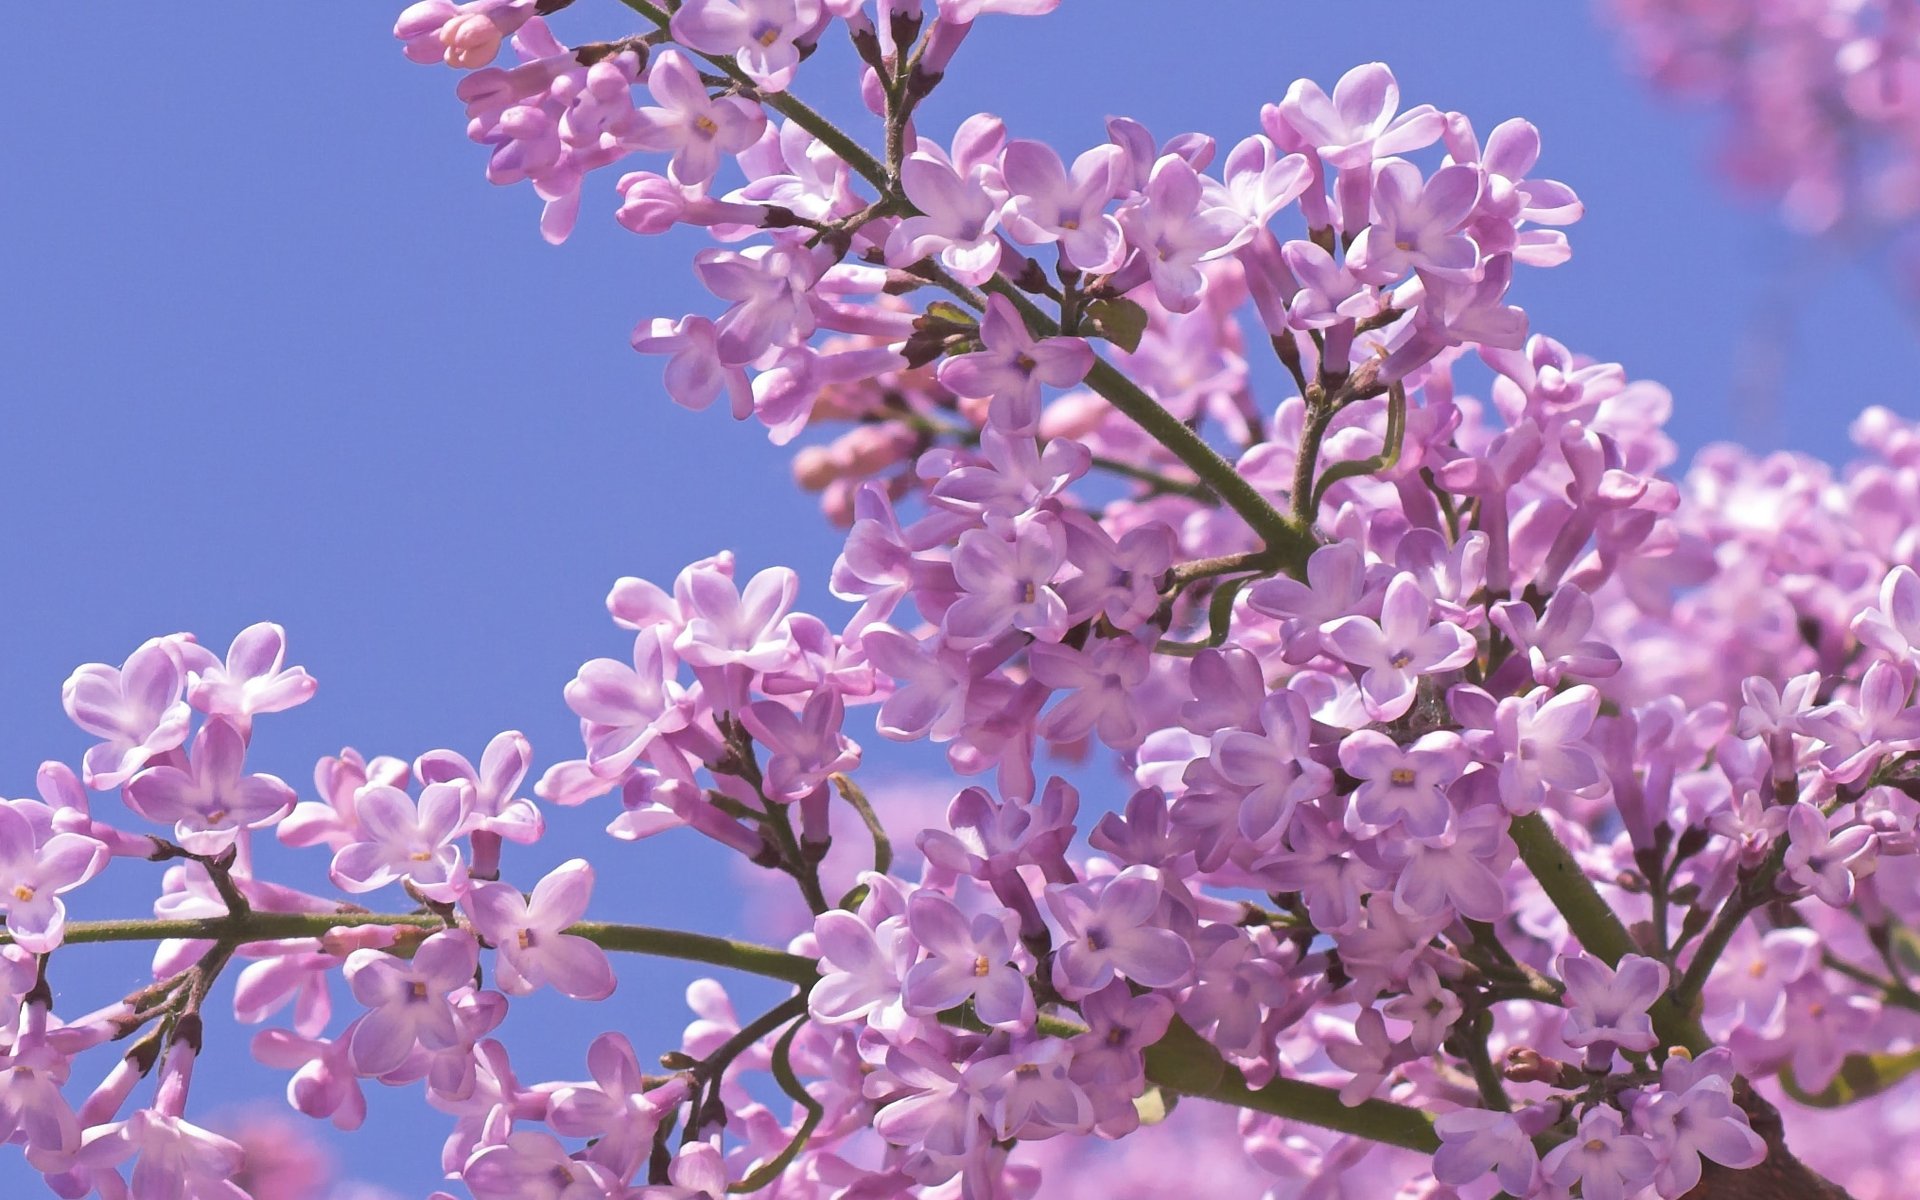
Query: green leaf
[[1860, 1076], [1904, 947], [1121, 322]]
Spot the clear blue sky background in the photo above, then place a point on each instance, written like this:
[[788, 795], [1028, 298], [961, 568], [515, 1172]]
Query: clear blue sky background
[[273, 349]]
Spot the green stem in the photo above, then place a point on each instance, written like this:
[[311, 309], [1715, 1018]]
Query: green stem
[[1593, 920]]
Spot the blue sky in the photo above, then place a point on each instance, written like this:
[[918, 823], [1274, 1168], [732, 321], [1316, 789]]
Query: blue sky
[[274, 349]]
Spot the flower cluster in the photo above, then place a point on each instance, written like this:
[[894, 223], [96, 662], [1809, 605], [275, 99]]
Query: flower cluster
[[1819, 103], [1478, 788]]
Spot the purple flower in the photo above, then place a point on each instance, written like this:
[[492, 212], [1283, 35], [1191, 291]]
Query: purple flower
[[696, 374], [1120, 1027], [695, 127], [1237, 979], [1030, 1092], [804, 747], [1272, 766], [1011, 367], [33, 874], [1607, 1163], [1555, 642], [1007, 584], [398, 841], [251, 680], [1399, 648], [1823, 862], [461, 35], [1050, 204], [1416, 225], [407, 999], [1894, 627], [1404, 786], [1099, 679], [527, 934], [760, 34], [1539, 737], [1474, 1141], [1357, 123], [736, 627], [1173, 229], [862, 970], [529, 1165], [136, 709], [619, 1111], [958, 212], [769, 287], [210, 800], [1108, 930], [1429, 1006], [622, 708], [1607, 1006], [1461, 868], [1694, 1116], [503, 768], [966, 959], [1370, 1060]]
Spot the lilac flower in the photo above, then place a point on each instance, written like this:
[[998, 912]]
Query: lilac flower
[[769, 287], [209, 800], [1011, 367], [696, 128], [958, 212], [1693, 1116], [503, 768], [1107, 931], [1049, 204], [1237, 980], [1554, 642], [174, 1156], [527, 933], [618, 1110], [1474, 1141], [399, 841], [1607, 1163], [760, 34], [1030, 1092], [136, 709], [696, 374], [1821, 861], [1607, 1006], [1539, 735], [930, 685], [1399, 648], [323, 1085], [1357, 123], [34, 874], [728, 627], [251, 680], [1893, 628], [1120, 1027], [1273, 767], [966, 960], [1370, 1060], [1429, 1006], [1173, 230], [407, 999], [1335, 583], [805, 747], [623, 709], [1007, 584], [1461, 868], [461, 35], [1403, 786], [1416, 225], [1099, 679], [862, 970], [529, 1165]]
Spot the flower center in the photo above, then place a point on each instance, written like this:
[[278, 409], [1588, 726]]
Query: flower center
[[1025, 362], [767, 35], [1400, 660], [417, 990], [982, 967], [1401, 776], [22, 892], [705, 125], [419, 856]]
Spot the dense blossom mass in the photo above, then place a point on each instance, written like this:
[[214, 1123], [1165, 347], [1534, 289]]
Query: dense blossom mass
[[1492, 809], [1820, 104]]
